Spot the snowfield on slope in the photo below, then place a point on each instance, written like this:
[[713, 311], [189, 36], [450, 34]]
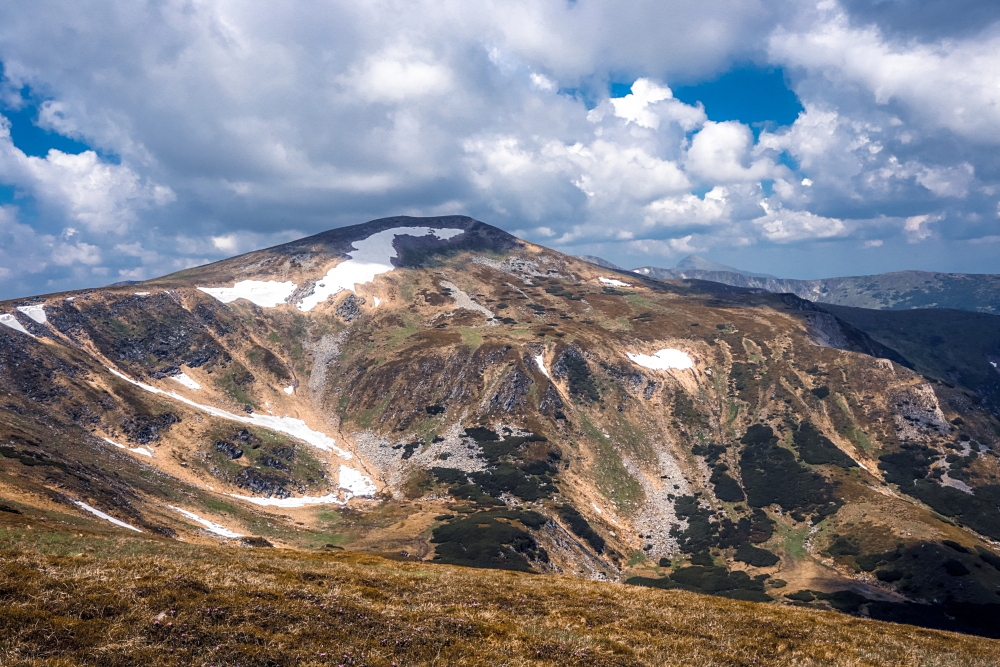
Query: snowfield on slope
[[37, 313], [210, 526], [371, 256], [264, 293], [186, 380], [9, 320], [287, 425], [662, 360], [613, 283], [135, 450], [352, 483], [99, 513]]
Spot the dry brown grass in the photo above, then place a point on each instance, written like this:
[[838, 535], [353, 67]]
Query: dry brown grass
[[169, 604]]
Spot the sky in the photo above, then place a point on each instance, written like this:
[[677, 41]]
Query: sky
[[800, 139]]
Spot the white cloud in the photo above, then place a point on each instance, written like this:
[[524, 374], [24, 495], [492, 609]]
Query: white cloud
[[720, 152], [100, 196], [542, 82], [785, 226], [648, 105], [949, 84], [398, 74], [917, 227], [690, 210], [253, 117], [66, 254]]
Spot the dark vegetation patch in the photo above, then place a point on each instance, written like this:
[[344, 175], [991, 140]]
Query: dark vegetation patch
[[771, 475], [574, 368], [726, 489], [705, 532], [816, 449], [956, 579], [686, 413], [712, 580], [524, 466], [982, 619], [755, 556], [579, 525], [409, 448], [748, 380], [711, 453], [909, 469], [820, 392], [270, 361], [435, 409], [490, 539]]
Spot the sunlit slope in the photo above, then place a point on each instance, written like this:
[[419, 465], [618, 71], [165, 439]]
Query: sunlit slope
[[437, 388], [82, 595]]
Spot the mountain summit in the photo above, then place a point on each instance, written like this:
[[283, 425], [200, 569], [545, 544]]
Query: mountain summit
[[695, 263], [438, 389]]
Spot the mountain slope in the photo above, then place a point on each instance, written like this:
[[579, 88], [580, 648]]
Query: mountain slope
[[438, 388], [140, 599]]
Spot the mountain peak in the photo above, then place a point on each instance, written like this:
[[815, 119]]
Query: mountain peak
[[695, 263]]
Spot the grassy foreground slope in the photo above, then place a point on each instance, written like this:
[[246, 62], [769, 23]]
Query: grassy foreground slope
[[81, 596]]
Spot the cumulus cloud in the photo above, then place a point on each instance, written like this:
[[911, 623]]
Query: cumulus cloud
[[950, 84], [100, 196], [784, 226], [237, 125], [720, 152]]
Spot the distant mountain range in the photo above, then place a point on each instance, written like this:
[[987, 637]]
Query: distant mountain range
[[900, 290]]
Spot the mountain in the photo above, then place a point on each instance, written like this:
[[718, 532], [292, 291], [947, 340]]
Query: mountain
[[901, 290], [600, 262], [439, 391], [695, 263]]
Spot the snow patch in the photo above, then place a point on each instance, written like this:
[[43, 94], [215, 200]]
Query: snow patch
[[9, 320], [37, 313], [211, 527], [371, 256], [541, 365], [289, 390], [994, 364], [287, 425], [99, 513], [377, 300], [613, 282], [662, 360], [142, 293], [352, 483], [145, 451], [186, 380], [266, 294]]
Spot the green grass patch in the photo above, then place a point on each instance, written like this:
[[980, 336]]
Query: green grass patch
[[471, 337], [613, 480]]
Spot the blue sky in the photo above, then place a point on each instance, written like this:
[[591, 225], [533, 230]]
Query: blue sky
[[802, 140]]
